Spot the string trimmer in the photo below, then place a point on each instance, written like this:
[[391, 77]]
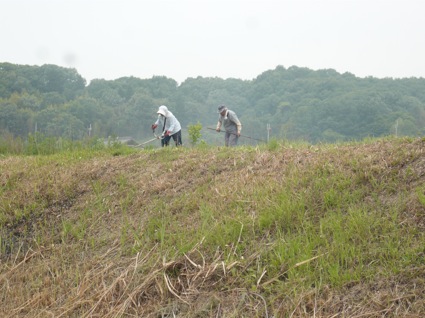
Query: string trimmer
[[153, 139]]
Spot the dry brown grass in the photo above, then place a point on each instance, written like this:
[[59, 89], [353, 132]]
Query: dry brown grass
[[45, 273]]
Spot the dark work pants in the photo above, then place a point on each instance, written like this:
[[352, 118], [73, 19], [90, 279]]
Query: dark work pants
[[177, 137]]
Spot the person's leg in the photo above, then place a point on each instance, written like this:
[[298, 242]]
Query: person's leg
[[226, 139], [165, 141], [178, 138], [233, 140]]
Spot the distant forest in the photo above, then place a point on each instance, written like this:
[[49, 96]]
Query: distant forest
[[297, 103]]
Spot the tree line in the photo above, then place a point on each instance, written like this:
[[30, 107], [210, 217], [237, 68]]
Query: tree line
[[297, 103]]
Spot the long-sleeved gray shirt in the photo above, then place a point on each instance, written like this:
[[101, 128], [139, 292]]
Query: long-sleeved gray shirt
[[230, 122]]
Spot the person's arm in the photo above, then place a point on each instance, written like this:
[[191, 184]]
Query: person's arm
[[239, 125], [156, 123], [233, 117], [218, 126]]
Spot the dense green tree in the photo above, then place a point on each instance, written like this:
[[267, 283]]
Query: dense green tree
[[8, 117], [52, 99], [89, 111], [106, 93], [14, 120], [139, 115], [297, 103], [11, 80], [57, 122], [52, 78]]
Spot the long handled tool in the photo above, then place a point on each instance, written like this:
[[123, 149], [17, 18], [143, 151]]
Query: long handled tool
[[240, 135], [146, 142]]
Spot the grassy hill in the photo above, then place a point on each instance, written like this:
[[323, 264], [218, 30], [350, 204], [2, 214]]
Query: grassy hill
[[277, 230]]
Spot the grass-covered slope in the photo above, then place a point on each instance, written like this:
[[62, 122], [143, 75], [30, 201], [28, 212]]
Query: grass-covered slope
[[273, 231]]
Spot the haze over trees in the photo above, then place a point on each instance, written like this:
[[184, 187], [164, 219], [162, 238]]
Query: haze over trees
[[298, 104]]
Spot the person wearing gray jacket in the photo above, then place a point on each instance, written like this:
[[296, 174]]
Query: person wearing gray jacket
[[170, 126], [231, 124]]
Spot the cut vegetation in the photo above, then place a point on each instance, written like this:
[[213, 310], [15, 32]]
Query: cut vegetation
[[278, 230]]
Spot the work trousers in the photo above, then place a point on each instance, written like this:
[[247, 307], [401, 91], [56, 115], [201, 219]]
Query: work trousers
[[230, 139], [177, 137]]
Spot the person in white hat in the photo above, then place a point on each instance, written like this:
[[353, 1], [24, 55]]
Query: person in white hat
[[170, 126], [232, 126]]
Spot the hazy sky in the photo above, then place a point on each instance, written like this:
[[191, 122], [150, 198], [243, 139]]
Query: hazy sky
[[219, 38]]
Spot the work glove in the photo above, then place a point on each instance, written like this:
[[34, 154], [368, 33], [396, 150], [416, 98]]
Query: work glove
[[154, 126], [217, 129], [238, 133], [167, 133]]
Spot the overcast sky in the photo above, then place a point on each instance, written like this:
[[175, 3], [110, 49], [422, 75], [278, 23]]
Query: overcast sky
[[220, 38]]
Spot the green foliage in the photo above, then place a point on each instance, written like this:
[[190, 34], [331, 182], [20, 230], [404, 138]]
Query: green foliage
[[40, 144], [298, 103], [194, 133], [273, 144]]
